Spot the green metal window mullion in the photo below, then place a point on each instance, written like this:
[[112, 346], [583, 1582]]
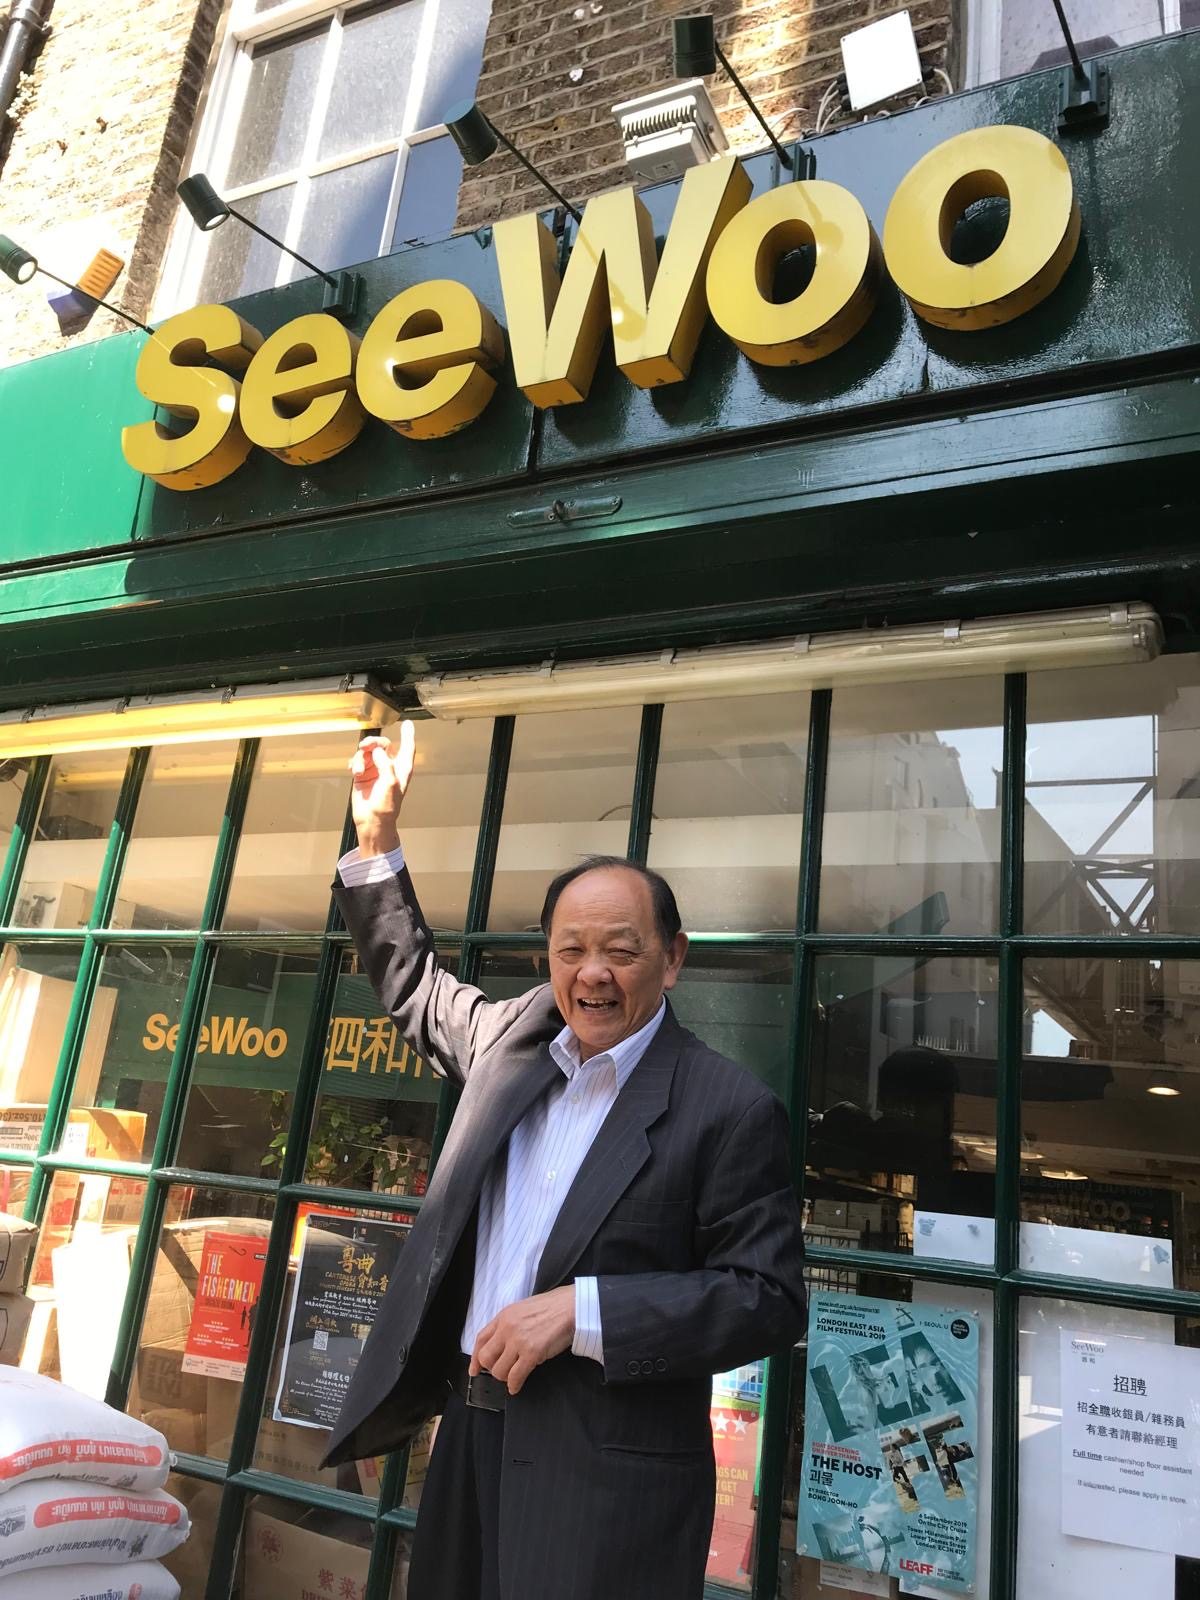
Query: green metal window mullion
[[777, 1397], [175, 1094], [641, 815], [1005, 1300], [21, 836], [85, 982]]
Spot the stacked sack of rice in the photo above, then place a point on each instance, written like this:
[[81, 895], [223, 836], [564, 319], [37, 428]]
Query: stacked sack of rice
[[83, 1511]]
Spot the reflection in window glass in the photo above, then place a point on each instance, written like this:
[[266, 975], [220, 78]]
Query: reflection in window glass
[[873, 1539], [1112, 792], [440, 821], [237, 260], [377, 46], [1024, 37], [903, 1154], [195, 1335], [62, 869], [454, 64], [912, 820], [81, 1270], [728, 798], [278, 106], [570, 789], [1110, 1097], [292, 833], [256, 1017], [174, 838], [278, 1531], [378, 1101], [14, 774], [429, 198], [343, 216], [738, 1002], [37, 983]]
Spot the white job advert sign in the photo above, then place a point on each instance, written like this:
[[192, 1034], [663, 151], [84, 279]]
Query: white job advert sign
[[1131, 1442]]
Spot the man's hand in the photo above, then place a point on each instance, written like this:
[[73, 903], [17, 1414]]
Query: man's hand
[[524, 1335], [381, 778]]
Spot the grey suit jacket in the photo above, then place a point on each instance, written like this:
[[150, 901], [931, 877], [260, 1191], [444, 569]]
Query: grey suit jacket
[[684, 1212]]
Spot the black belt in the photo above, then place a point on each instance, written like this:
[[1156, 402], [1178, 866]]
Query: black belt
[[482, 1391]]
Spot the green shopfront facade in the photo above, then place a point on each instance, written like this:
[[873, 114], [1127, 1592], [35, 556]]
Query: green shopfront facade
[[954, 922]]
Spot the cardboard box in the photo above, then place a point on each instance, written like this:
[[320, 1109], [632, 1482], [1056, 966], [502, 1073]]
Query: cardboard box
[[15, 1312], [91, 1276], [284, 1554], [189, 1563], [294, 1452], [17, 1239], [41, 1340], [34, 1008]]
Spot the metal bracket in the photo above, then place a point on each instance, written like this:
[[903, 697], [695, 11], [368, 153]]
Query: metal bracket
[[804, 163], [560, 511], [342, 296], [1083, 98]]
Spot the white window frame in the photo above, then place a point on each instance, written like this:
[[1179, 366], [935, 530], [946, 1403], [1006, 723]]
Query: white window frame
[[984, 19], [218, 123]]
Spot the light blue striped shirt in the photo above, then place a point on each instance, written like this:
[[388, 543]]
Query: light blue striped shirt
[[530, 1177]]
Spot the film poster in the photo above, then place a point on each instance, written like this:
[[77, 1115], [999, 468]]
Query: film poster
[[227, 1291], [890, 1480]]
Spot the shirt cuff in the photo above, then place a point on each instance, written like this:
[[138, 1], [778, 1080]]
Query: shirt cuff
[[589, 1339], [354, 871]]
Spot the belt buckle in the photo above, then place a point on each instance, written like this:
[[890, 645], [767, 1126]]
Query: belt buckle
[[476, 1389]]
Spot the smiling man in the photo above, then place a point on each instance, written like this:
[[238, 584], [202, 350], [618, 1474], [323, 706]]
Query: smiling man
[[611, 1222]]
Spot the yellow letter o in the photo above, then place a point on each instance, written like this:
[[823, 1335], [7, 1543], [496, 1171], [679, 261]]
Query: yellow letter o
[[1016, 164]]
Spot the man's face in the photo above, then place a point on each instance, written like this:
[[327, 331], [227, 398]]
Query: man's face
[[608, 964]]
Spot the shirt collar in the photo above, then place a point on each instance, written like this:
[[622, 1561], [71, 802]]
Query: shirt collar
[[623, 1056]]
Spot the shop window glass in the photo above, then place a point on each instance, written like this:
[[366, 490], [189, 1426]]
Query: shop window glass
[[439, 824], [728, 800], [128, 1046], [14, 774], [1110, 1099], [62, 868], [739, 1002], [912, 820], [1112, 799], [237, 260], [37, 984], [200, 1312], [285, 1547], [1010, 37], [363, 104], [80, 1275], [889, 1411], [291, 834], [169, 861], [570, 789], [1105, 1505], [340, 1264], [256, 1018], [902, 1142], [188, 1564], [378, 1101]]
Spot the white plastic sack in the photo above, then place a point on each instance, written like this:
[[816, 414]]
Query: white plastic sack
[[140, 1580], [48, 1430], [57, 1523]]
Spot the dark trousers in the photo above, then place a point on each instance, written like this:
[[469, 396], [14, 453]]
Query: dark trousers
[[455, 1550]]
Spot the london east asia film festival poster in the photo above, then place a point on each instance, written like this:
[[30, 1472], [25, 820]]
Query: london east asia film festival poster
[[890, 1479]]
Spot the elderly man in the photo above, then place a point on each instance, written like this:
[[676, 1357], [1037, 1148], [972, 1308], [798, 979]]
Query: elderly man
[[612, 1221]]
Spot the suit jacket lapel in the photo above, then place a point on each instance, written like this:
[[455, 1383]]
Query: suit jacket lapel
[[618, 1153]]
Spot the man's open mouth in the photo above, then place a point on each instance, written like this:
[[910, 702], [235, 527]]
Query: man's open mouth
[[597, 1005]]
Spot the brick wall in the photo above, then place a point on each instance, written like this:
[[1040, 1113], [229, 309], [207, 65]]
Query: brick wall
[[785, 51], [96, 152]]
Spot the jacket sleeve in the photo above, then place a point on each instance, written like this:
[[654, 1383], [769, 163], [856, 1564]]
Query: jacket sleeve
[[448, 1023], [746, 1298]]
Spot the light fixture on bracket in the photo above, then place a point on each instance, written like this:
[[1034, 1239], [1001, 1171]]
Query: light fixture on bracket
[[343, 290], [19, 266], [697, 53], [477, 138]]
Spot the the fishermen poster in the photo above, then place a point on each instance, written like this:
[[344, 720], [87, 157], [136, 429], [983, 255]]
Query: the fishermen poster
[[890, 1480]]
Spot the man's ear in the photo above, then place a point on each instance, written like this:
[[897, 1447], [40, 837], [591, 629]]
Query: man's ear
[[676, 951]]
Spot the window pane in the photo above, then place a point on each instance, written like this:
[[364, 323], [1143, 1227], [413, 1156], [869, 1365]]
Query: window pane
[[285, 1546], [440, 821], [1112, 791], [454, 62], [343, 214], [739, 1002], [728, 799], [1110, 1097], [278, 107], [174, 838], [127, 1049], [378, 1102], [1031, 38], [195, 1335], [292, 833], [857, 1532], [1051, 1561], [62, 869], [237, 261], [80, 1274], [37, 984], [903, 1155], [256, 1017], [341, 1263], [570, 789], [14, 774], [189, 1562], [370, 83], [912, 819], [429, 198]]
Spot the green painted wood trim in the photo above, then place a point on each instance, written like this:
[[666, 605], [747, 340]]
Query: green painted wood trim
[[641, 813]]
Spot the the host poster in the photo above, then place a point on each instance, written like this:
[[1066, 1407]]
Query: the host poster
[[346, 1264], [890, 1480]]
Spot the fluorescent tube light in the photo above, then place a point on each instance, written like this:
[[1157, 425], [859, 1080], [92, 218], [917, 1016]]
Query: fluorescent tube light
[[1094, 636], [327, 705]]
